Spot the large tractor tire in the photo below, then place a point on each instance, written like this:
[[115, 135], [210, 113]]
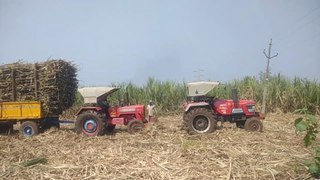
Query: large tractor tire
[[184, 124], [185, 117], [135, 126], [90, 124], [253, 124], [29, 128], [201, 120]]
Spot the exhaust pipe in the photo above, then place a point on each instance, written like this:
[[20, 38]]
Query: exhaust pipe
[[235, 96]]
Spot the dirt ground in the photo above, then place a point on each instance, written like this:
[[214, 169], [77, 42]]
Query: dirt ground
[[162, 151]]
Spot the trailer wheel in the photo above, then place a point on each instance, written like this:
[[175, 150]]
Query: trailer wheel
[[201, 120], [89, 124], [253, 124], [29, 128], [135, 126]]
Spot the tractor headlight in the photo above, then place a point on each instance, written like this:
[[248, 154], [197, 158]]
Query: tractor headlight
[[251, 108]]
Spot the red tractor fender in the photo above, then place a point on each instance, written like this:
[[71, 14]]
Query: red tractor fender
[[83, 109], [195, 104]]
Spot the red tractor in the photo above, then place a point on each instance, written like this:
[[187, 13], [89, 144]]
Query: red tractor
[[99, 117], [201, 112]]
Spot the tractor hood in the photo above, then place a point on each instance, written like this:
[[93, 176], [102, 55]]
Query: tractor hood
[[94, 94], [201, 88]]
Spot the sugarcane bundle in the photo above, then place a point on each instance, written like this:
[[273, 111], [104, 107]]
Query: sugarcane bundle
[[52, 82]]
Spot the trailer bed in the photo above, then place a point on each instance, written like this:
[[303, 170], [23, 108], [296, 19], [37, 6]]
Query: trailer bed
[[25, 110]]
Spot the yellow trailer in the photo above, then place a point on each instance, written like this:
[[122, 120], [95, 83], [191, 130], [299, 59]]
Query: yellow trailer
[[29, 114], [13, 111]]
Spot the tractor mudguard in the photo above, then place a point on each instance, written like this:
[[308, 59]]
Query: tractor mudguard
[[196, 104], [82, 109]]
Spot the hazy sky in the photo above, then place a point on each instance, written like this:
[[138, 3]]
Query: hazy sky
[[131, 40]]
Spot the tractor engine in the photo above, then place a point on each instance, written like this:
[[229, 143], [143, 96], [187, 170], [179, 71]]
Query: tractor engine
[[228, 110], [127, 112], [228, 107]]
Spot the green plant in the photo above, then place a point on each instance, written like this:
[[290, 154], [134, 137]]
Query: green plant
[[314, 164], [284, 94], [309, 124]]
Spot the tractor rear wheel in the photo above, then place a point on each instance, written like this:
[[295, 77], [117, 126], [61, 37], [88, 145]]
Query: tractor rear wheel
[[29, 128], [185, 117], [135, 126], [253, 124], [90, 124], [201, 120], [184, 125]]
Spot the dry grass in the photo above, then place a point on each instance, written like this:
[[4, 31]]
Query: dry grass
[[162, 151]]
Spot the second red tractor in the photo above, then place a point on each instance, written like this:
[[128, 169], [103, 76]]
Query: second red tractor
[[201, 112], [98, 117]]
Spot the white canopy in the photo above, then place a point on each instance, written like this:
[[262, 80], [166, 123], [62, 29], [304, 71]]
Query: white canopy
[[201, 88], [93, 94]]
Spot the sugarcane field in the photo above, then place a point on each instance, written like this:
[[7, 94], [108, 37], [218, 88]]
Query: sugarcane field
[[186, 90]]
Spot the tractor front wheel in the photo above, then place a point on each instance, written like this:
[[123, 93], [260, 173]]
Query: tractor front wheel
[[201, 120], [135, 126], [253, 124], [29, 128], [89, 124]]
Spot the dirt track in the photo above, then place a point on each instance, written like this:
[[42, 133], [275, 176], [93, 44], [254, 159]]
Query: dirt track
[[162, 151]]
